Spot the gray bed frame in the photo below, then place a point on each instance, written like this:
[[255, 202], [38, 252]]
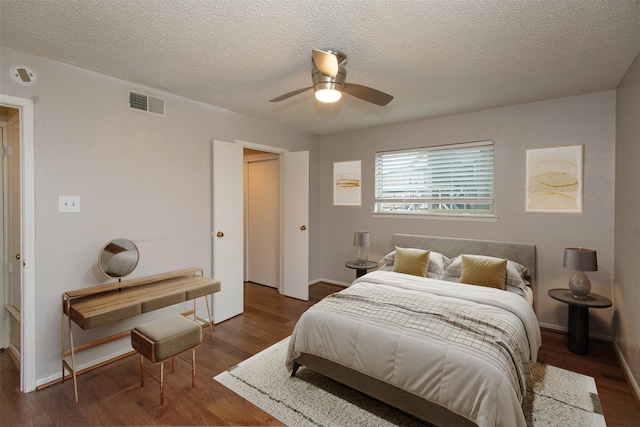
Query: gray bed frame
[[410, 403]]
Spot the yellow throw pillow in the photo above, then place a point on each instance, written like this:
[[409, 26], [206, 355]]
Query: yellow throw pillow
[[411, 261], [484, 271]]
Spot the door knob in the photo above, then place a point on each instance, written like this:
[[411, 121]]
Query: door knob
[[304, 227], [219, 234], [17, 256]]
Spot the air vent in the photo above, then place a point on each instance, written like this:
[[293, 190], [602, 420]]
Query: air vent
[[146, 104]]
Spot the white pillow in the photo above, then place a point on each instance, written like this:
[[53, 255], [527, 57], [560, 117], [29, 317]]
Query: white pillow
[[516, 274], [437, 264]]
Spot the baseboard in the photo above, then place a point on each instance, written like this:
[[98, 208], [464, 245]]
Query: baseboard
[[565, 330], [331, 282], [627, 372], [14, 354], [83, 367]]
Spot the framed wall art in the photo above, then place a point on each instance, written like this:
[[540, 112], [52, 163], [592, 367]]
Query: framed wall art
[[554, 180], [346, 183]]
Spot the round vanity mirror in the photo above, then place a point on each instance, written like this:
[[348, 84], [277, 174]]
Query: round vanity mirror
[[118, 258]]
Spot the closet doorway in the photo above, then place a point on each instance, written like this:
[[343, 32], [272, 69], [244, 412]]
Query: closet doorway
[[11, 266], [262, 217], [25, 299]]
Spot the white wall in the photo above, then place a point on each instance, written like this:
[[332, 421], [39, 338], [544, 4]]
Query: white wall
[[587, 120], [148, 179], [139, 176], [627, 230]]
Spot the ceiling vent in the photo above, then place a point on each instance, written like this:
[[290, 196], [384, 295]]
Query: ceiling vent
[[146, 104]]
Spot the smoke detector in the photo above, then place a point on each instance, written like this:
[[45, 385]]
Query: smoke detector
[[23, 75]]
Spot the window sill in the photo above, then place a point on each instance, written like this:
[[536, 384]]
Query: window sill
[[438, 217]]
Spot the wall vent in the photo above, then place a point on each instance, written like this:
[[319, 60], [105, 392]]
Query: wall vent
[[145, 103]]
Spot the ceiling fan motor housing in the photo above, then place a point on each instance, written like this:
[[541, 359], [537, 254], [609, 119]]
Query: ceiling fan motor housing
[[320, 81]]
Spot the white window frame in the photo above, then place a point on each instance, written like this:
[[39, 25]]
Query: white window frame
[[449, 180]]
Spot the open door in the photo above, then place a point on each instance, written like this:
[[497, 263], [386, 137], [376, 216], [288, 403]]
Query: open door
[[227, 234], [11, 192], [295, 224], [228, 229], [27, 262]]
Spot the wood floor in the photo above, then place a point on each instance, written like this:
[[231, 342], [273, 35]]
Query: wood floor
[[111, 395]]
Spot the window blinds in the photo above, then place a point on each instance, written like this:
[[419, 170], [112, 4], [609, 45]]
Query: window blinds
[[458, 174]]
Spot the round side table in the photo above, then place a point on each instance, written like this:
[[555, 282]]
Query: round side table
[[361, 269], [579, 316]]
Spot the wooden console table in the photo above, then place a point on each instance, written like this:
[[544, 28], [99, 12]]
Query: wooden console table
[[103, 304]]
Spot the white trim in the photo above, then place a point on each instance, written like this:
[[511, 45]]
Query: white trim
[[439, 217], [28, 330], [449, 146], [261, 157], [627, 370], [89, 364], [261, 147], [5, 341], [331, 282]]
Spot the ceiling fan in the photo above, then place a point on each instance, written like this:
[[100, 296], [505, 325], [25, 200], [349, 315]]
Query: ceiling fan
[[328, 75]]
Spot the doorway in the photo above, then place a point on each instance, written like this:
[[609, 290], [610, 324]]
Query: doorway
[[262, 218], [10, 278], [27, 262], [228, 224]]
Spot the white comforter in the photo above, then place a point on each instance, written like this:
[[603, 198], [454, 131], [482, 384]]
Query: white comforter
[[464, 379]]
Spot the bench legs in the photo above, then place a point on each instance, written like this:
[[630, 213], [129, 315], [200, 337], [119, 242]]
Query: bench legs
[[162, 381]]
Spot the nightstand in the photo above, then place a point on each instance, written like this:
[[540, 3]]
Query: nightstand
[[579, 316], [361, 269]]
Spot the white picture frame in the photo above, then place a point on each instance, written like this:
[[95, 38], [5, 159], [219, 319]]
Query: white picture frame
[[555, 180], [347, 183]]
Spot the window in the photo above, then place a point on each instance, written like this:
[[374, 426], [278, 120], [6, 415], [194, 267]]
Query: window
[[448, 179]]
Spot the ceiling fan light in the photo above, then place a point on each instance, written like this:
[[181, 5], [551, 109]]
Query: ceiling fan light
[[328, 95]]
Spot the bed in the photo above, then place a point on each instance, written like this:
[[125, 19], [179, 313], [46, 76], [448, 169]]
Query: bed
[[448, 353]]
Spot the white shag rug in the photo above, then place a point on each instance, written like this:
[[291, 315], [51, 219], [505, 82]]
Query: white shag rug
[[555, 397]]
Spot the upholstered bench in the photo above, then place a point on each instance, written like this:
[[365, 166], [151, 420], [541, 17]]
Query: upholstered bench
[[165, 339]]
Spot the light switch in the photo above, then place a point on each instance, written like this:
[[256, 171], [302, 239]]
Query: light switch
[[69, 204]]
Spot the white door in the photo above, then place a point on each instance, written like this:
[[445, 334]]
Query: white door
[[227, 234], [27, 295], [263, 222], [15, 228], [295, 219], [4, 262], [11, 230]]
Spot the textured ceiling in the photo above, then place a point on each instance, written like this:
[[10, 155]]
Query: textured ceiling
[[436, 57]]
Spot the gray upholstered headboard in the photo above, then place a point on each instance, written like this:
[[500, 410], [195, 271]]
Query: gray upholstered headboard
[[521, 253]]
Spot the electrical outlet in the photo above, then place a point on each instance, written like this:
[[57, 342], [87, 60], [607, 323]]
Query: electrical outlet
[[68, 204]]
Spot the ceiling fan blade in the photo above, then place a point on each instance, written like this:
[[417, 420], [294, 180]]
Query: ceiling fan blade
[[289, 95], [326, 63], [368, 94]]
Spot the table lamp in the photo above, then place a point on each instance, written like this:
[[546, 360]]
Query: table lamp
[[580, 260], [362, 239]]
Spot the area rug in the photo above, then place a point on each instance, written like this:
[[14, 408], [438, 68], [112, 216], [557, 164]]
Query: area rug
[[555, 397]]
